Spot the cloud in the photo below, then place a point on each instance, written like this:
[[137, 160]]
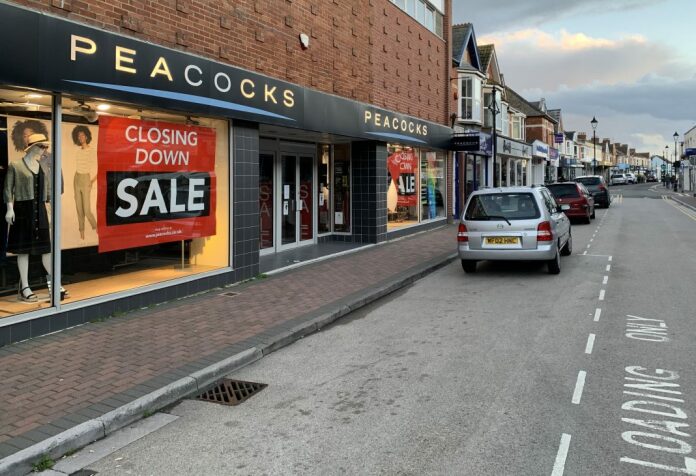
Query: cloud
[[501, 14], [534, 58]]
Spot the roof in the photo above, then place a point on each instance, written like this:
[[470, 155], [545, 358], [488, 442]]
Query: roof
[[524, 106], [463, 40], [569, 135], [555, 113], [485, 55]]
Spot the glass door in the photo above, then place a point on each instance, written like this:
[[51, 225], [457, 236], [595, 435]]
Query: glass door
[[266, 202], [289, 208], [306, 198]]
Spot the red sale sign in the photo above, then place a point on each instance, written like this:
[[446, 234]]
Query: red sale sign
[[403, 168], [155, 183]]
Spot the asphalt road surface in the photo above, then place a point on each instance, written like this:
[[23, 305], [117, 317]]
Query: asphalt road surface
[[509, 371]]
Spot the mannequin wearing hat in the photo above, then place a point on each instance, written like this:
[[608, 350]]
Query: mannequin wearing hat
[[26, 191]]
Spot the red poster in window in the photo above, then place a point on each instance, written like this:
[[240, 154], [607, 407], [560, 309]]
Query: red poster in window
[[403, 168], [155, 183]]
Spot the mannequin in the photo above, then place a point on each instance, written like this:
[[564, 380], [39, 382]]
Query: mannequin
[[26, 192]]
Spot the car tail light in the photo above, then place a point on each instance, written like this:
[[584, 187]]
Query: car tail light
[[462, 234], [602, 188], [544, 231]]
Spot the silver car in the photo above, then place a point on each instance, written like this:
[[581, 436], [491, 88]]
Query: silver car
[[514, 223]]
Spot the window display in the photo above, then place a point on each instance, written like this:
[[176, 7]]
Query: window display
[[402, 194], [415, 173], [433, 191], [144, 198]]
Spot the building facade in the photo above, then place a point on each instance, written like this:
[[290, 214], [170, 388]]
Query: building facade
[[189, 142]]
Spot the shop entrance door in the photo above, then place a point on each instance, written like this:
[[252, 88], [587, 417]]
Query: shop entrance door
[[296, 207]]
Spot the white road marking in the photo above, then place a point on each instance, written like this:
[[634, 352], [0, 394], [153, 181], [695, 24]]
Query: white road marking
[[588, 245], [591, 240], [689, 465], [597, 313], [590, 343], [579, 384], [601, 295], [608, 268], [559, 464], [610, 258], [605, 280], [585, 252]]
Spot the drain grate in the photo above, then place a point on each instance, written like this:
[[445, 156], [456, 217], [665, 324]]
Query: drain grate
[[231, 392], [230, 294]]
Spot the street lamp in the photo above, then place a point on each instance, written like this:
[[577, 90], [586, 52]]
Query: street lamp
[[493, 107], [594, 145], [664, 159]]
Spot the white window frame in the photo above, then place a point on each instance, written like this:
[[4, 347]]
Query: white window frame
[[473, 97]]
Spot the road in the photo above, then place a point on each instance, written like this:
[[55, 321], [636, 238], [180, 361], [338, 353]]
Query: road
[[509, 371]]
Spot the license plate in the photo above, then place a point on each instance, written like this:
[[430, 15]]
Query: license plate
[[502, 240]]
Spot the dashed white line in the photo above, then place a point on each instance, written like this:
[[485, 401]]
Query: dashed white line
[[590, 343], [588, 245], [608, 268], [579, 385], [584, 253], [597, 313], [610, 258], [591, 240], [601, 295], [559, 464], [605, 280]]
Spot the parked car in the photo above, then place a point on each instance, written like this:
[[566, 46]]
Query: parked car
[[514, 223], [577, 196], [650, 178], [631, 178], [597, 186], [618, 179]]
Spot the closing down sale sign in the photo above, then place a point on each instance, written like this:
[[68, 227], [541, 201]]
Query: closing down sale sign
[[156, 183]]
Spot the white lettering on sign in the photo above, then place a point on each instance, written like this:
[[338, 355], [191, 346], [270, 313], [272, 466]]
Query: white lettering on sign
[[643, 328], [661, 425], [154, 198]]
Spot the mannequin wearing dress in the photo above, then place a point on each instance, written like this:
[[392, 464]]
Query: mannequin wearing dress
[[31, 162]]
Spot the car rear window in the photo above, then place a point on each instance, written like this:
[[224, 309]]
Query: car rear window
[[564, 190], [588, 181], [511, 206], [617, 176]]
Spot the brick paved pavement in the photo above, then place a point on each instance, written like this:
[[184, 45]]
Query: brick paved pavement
[[55, 382]]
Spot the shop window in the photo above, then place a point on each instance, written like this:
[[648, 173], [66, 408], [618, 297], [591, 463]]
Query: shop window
[[402, 194], [266, 204], [323, 191], [433, 185], [26, 173], [146, 196]]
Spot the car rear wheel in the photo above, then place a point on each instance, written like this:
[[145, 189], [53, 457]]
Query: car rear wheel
[[568, 248], [554, 265], [469, 266]]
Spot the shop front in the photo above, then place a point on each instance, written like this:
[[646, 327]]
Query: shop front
[[540, 156], [515, 159], [551, 169], [473, 166], [134, 174]]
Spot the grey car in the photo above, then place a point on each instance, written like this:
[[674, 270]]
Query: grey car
[[514, 223]]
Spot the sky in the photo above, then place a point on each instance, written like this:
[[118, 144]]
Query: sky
[[629, 63]]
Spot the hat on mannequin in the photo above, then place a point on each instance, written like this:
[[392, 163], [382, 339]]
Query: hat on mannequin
[[37, 139]]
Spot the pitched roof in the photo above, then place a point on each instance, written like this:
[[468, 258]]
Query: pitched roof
[[555, 113], [524, 106], [485, 54], [463, 40], [569, 135]]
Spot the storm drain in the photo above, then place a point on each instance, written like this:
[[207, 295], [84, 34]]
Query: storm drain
[[231, 392], [230, 294]]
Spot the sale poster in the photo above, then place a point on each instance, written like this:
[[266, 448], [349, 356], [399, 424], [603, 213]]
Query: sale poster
[[403, 169], [156, 182]]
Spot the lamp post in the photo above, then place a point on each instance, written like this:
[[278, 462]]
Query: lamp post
[[493, 107], [594, 145], [664, 159]]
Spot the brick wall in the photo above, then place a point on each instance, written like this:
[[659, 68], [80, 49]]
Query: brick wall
[[539, 128], [368, 50]]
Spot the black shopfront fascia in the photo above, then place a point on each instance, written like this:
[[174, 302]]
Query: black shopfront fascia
[[50, 53]]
